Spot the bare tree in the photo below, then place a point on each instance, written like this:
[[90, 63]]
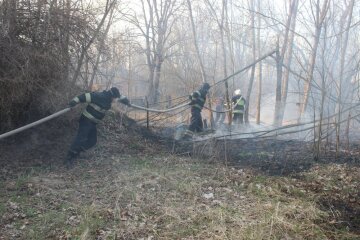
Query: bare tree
[[346, 19], [319, 133], [158, 18], [286, 47], [319, 14], [253, 47], [259, 67], [101, 46], [42, 38], [193, 28], [109, 5]]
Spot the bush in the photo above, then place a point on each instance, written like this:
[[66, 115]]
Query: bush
[[37, 42]]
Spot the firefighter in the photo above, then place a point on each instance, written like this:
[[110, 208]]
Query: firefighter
[[238, 102], [198, 99], [98, 104]]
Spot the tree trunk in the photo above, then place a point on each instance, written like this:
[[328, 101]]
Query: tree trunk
[[278, 86], [252, 75], [66, 40], [109, 6], [100, 49], [343, 45], [279, 63], [288, 55], [222, 33], [320, 16], [319, 132], [156, 35], [259, 68]]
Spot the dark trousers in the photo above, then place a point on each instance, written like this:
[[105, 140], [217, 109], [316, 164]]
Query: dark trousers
[[86, 137], [238, 118], [196, 124]]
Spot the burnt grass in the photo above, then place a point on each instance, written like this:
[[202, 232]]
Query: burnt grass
[[292, 158], [45, 147]]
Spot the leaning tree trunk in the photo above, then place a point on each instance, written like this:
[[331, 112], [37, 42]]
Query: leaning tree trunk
[[84, 49], [287, 58], [100, 49], [320, 17]]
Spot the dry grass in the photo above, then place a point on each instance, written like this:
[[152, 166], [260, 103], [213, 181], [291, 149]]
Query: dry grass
[[165, 197]]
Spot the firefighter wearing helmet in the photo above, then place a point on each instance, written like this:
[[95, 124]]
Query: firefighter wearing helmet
[[98, 103], [197, 103], [238, 102]]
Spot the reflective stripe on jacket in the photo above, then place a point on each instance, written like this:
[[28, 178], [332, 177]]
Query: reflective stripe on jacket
[[98, 104], [198, 99], [239, 104]]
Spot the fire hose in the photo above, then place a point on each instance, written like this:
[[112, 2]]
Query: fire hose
[[158, 110], [30, 125], [215, 111], [2, 136]]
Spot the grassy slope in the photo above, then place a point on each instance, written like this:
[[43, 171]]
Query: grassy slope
[[164, 197], [129, 189]]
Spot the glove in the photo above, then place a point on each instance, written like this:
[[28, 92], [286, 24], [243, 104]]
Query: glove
[[72, 103], [125, 101]]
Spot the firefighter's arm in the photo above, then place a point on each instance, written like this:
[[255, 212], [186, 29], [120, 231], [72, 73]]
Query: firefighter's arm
[[193, 97], [85, 97], [124, 100], [233, 103]]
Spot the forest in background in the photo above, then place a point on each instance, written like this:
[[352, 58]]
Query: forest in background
[[52, 50], [291, 173]]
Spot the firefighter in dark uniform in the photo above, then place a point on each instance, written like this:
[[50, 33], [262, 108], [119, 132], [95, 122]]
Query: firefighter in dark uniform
[[238, 102], [198, 99], [98, 104]]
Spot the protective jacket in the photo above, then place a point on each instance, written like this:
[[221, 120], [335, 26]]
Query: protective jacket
[[238, 103], [98, 104], [198, 99]]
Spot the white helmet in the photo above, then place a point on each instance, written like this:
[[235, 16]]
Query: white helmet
[[237, 92]]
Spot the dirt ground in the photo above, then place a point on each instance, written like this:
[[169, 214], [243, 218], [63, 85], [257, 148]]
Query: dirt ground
[[131, 186]]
